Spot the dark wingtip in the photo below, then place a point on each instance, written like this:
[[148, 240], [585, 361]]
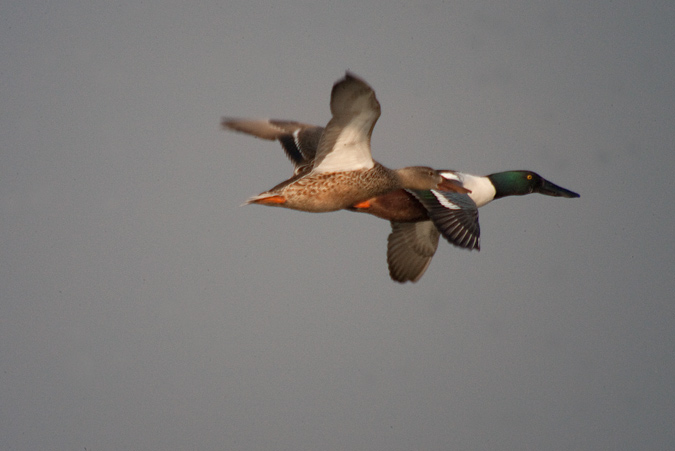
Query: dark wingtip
[[225, 122], [350, 77]]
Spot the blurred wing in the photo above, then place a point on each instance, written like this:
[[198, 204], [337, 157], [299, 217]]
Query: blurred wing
[[298, 140], [345, 143], [410, 248]]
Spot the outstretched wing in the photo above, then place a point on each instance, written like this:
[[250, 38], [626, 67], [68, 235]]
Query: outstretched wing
[[455, 215], [410, 248], [298, 140], [345, 143]]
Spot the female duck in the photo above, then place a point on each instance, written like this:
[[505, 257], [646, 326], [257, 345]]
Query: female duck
[[343, 172]]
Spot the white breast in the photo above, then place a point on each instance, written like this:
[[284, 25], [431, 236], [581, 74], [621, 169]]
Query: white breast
[[482, 189]]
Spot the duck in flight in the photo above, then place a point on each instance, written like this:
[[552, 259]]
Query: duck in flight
[[343, 173], [418, 216]]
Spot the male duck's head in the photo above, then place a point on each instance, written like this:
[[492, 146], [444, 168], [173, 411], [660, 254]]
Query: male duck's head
[[518, 183]]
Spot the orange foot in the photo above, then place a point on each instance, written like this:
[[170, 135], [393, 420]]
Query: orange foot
[[271, 200], [364, 204]]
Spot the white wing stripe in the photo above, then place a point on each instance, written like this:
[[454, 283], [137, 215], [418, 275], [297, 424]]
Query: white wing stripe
[[444, 201]]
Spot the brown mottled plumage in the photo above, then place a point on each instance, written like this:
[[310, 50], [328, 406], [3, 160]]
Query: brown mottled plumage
[[413, 240], [343, 172], [330, 191]]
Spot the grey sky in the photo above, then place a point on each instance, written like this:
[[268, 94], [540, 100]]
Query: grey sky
[[142, 308]]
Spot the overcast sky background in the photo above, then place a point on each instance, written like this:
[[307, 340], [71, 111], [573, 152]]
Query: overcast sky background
[[142, 308]]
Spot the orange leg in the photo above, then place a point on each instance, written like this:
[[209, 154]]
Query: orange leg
[[364, 204]]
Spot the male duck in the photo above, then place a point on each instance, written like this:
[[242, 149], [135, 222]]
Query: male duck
[[418, 217], [343, 172]]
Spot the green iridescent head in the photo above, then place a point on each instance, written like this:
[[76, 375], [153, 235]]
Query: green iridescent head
[[519, 183]]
